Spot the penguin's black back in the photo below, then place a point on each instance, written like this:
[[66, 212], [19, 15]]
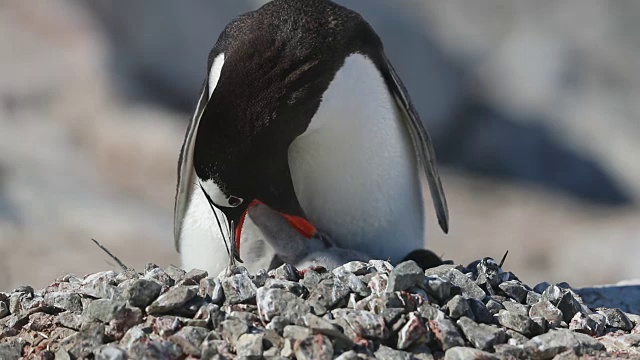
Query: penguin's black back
[[279, 60]]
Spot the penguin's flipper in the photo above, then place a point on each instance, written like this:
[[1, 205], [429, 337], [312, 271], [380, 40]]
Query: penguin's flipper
[[186, 172], [421, 141]]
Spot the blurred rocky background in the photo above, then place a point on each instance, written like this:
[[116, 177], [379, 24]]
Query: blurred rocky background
[[533, 107]]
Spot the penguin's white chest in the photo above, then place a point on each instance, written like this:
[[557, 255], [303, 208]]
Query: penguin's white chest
[[355, 170]]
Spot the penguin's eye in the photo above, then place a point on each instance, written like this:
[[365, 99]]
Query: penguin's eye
[[234, 201]]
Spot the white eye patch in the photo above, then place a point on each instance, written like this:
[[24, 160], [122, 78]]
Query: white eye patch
[[218, 197], [214, 72]]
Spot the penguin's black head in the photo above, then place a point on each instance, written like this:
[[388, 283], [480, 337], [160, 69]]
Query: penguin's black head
[[266, 77]]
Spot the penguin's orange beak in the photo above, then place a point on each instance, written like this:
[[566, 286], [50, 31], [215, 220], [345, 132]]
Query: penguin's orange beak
[[301, 225]]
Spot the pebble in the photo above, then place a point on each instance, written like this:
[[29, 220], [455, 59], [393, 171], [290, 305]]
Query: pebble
[[404, 276], [515, 321], [446, 333], [412, 332], [171, 300], [238, 288], [360, 310], [548, 345], [482, 336], [469, 288], [616, 319], [141, 293], [465, 353], [546, 310], [515, 290], [250, 345], [274, 302], [317, 347]]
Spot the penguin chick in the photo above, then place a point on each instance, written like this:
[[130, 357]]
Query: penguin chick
[[269, 238]]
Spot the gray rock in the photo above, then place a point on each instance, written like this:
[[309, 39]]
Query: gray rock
[[553, 294], [515, 338], [11, 350], [515, 290], [189, 339], [533, 298], [404, 276], [412, 332], [231, 330], [569, 306], [171, 300], [285, 272], [541, 287], [468, 287], [69, 320], [160, 350], [431, 312], [142, 292], [482, 336], [441, 270], [296, 332], [586, 325], [212, 348], [479, 311], [628, 344], [329, 292], [317, 347], [538, 326], [600, 321], [488, 269], [83, 343], [238, 288], [106, 310], [548, 345], [515, 321], [175, 273], [62, 354], [385, 352], [211, 288], [260, 277], [508, 351], [110, 352], [546, 310], [464, 353], [4, 309], [160, 276], [132, 335], [274, 302], [359, 323], [378, 283], [356, 267], [293, 287], [311, 279], [62, 300], [458, 306], [516, 307], [446, 333], [250, 345], [195, 275], [352, 355], [616, 319], [494, 307], [355, 284], [381, 266], [438, 287], [277, 324]]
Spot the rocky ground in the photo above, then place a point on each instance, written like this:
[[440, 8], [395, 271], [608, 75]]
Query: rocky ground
[[357, 311]]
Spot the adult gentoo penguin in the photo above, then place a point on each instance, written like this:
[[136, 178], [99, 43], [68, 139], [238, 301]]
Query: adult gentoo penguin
[[302, 110]]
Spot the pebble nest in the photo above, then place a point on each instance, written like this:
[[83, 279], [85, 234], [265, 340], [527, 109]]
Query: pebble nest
[[357, 311]]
